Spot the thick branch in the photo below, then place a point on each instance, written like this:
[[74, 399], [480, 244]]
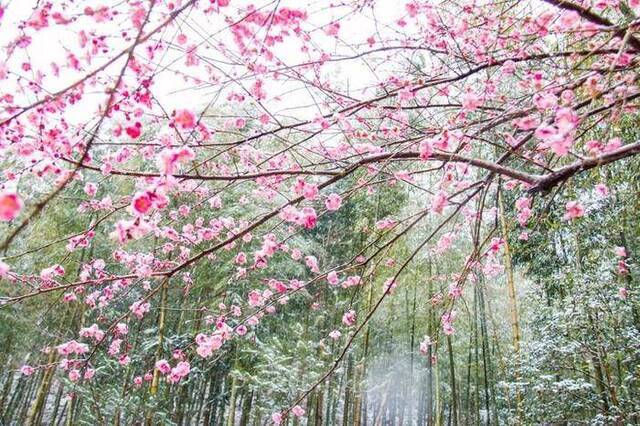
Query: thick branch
[[549, 181]]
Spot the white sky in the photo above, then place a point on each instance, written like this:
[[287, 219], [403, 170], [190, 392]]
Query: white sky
[[52, 45]]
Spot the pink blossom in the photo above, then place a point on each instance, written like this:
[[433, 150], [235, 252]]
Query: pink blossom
[[308, 218], [143, 202], [426, 149], [185, 118], [72, 347], [349, 318], [241, 258], [527, 123], [215, 202], [310, 191], [612, 145], [255, 298], [163, 366], [447, 323], [470, 100], [386, 223], [114, 347], [182, 369], [335, 334], [10, 206], [122, 328], [27, 370], [623, 293], [523, 205], [455, 291], [312, 263], [134, 131], [4, 269], [620, 251], [89, 373], [573, 210], [424, 345], [332, 29], [566, 120], [388, 286], [139, 308], [74, 375], [622, 267], [276, 418], [298, 411], [90, 189], [496, 244], [351, 281], [332, 278], [169, 159], [333, 202], [439, 202], [602, 190], [93, 331]]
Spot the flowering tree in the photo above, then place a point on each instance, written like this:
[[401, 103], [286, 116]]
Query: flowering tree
[[183, 136]]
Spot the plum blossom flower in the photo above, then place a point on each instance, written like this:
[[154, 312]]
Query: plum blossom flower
[[89, 373], [351, 281], [349, 318], [426, 149], [310, 191], [208, 344], [312, 263], [470, 100], [424, 345], [620, 251], [439, 202], [185, 118], [333, 202], [74, 375], [623, 293], [122, 328], [170, 158], [91, 189], [309, 217], [144, 201], [4, 269], [163, 366], [523, 206], [335, 334], [602, 190], [388, 286], [72, 347], [134, 131], [455, 291], [10, 206], [93, 331], [298, 411], [27, 370], [447, 322], [573, 210], [139, 308]]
